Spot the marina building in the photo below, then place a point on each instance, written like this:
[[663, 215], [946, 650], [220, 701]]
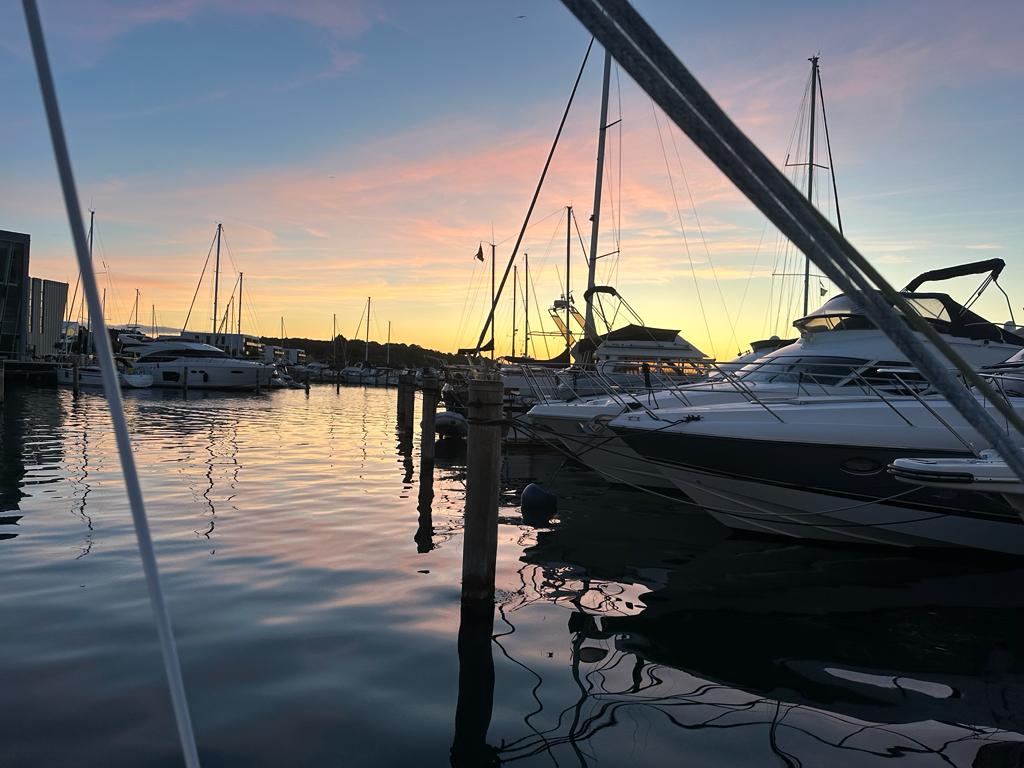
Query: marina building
[[235, 344], [14, 290], [31, 309], [294, 356], [47, 300]]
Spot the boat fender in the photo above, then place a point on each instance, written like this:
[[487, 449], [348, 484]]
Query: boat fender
[[538, 505]]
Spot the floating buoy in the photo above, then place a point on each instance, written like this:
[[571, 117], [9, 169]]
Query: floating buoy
[[450, 424], [538, 505]]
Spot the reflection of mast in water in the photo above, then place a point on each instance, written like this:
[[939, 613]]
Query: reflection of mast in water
[[82, 482], [212, 455]]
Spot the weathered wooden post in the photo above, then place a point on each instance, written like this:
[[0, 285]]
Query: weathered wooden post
[[76, 382], [483, 470], [184, 381], [406, 401], [431, 394], [337, 382]]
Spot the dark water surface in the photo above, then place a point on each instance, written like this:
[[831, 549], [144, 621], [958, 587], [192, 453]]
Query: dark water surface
[[315, 597]]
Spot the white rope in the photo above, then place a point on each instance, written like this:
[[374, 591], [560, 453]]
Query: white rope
[[112, 389]]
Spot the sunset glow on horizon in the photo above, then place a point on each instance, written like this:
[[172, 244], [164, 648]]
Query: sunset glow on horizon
[[369, 148]]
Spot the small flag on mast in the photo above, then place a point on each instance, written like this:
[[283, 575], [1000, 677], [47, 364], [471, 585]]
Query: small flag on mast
[[480, 253], [822, 288]]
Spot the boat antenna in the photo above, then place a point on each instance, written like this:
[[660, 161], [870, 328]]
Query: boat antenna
[[589, 329]]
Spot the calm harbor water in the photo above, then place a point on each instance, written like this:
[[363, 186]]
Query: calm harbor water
[[313, 579]]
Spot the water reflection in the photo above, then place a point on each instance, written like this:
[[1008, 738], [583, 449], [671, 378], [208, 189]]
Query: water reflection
[[627, 631], [823, 656], [30, 453]]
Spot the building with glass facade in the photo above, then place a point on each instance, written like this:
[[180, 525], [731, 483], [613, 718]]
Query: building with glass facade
[[14, 295]]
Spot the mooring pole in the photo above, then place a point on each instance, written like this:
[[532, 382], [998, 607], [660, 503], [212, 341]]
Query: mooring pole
[[431, 395], [404, 385], [475, 704], [307, 381], [424, 536], [184, 381], [483, 468], [75, 380]]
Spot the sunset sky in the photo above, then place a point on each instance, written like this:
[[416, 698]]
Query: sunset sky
[[356, 149]]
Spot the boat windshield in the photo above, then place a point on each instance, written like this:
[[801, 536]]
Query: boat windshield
[[786, 369], [946, 315], [166, 355]]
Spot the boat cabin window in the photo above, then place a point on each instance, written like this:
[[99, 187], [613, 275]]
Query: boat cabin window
[[826, 371], [167, 355]]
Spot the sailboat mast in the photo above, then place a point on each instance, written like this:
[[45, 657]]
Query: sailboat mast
[[135, 310], [568, 264], [366, 347], [153, 311], [216, 284], [515, 290], [387, 359], [589, 329], [493, 248], [85, 306], [810, 170], [241, 276], [526, 328], [334, 339]]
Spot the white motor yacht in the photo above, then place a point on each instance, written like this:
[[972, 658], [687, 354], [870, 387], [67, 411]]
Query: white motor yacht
[[816, 468], [92, 376], [364, 373], [839, 353], [170, 360]]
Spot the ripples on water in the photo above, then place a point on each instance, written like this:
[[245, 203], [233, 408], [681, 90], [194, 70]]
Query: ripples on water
[[314, 587]]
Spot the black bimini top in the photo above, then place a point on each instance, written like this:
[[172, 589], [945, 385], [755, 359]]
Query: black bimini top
[[841, 313]]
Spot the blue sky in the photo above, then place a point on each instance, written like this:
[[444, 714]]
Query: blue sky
[[366, 148]]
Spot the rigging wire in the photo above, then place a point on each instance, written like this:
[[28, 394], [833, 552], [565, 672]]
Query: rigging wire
[[536, 194], [199, 284], [682, 230], [703, 240]]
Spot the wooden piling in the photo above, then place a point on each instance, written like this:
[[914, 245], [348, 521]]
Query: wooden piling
[[431, 394], [76, 382], [184, 380], [483, 469], [337, 382], [406, 401], [307, 382]]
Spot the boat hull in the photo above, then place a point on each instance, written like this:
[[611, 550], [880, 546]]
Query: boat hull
[[838, 493], [592, 443], [202, 375]]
